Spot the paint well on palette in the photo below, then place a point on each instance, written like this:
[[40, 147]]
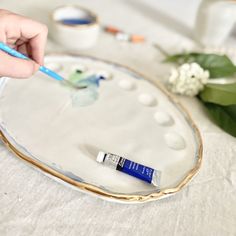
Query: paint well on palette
[[105, 74], [162, 118], [175, 141], [126, 84], [78, 67], [147, 99]]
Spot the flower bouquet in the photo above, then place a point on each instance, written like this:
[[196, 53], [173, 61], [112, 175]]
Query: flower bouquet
[[209, 77]]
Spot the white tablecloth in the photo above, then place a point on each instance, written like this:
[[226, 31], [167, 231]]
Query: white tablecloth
[[33, 204]]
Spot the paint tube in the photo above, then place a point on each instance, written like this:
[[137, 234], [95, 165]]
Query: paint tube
[[132, 168]]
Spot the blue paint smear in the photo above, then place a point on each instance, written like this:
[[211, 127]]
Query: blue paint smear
[[76, 21]]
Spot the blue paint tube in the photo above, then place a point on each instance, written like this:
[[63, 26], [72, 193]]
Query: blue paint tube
[[134, 169]]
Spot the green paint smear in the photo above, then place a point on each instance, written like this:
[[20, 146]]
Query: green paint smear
[[76, 77]]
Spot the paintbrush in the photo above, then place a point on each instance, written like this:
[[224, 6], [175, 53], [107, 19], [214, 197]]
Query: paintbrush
[[43, 69]]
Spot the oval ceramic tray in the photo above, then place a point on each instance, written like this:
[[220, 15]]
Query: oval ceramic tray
[[61, 131]]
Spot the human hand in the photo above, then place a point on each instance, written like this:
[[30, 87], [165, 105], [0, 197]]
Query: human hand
[[26, 36]]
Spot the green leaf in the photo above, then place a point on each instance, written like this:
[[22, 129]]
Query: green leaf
[[182, 58], [224, 116], [217, 65], [219, 94]]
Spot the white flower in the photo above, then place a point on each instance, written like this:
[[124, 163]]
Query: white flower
[[188, 79]]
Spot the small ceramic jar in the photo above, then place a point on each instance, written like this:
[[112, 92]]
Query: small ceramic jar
[[74, 27]]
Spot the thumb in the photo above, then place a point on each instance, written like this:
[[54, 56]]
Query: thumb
[[14, 67]]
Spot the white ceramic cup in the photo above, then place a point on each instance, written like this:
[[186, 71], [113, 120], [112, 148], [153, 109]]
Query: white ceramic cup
[[214, 22], [74, 36]]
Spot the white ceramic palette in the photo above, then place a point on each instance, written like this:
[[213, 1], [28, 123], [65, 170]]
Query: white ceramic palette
[[129, 116]]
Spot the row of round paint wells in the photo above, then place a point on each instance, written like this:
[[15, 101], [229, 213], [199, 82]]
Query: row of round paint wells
[[172, 139]]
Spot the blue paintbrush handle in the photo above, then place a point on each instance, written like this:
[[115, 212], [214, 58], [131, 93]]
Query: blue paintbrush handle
[[50, 73], [14, 53]]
